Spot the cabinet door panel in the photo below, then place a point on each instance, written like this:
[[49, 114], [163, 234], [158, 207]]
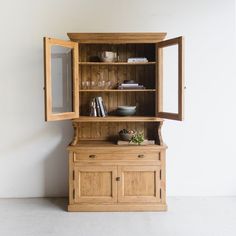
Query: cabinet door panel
[[139, 184], [170, 79], [95, 184], [61, 79]]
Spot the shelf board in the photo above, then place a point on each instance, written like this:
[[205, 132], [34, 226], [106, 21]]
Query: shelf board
[[99, 146], [118, 119], [117, 90], [117, 63]]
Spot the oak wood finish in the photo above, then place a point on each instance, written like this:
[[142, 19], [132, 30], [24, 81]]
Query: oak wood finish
[[159, 47], [102, 175], [117, 90], [116, 37], [105, 177], [117, 119], [49, 116], [117, 63], [116, 207], [139, 184], [95, 184]]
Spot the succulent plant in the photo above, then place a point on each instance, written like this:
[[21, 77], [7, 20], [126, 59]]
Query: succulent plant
[[138, 138]]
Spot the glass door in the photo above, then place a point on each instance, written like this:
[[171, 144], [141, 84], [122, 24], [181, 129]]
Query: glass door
[[61, 79], [170, 79]]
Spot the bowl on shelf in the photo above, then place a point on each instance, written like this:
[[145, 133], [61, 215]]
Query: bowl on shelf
[[129, 81], [126, 135], [108, 56], [126, 110]]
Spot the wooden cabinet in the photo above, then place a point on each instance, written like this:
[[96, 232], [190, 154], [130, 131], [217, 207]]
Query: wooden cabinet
[[116, 179], [102, 175]]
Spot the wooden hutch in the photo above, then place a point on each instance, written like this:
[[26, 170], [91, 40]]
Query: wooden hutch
[[104, 176]]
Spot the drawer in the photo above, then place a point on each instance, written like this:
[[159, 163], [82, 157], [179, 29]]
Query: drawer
[[145, 156]]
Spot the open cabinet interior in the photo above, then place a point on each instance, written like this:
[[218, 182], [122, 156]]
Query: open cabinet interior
[[103, 79]]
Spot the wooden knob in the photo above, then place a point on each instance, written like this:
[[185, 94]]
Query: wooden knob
[[117, 178], [140, 156], [92, 156]]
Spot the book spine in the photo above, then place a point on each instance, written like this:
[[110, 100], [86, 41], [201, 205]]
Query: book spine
[[100, 101], [98, 107], [105, 109], [93, 111]]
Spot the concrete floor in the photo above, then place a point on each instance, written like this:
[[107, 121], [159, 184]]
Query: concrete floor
[[190, 216]]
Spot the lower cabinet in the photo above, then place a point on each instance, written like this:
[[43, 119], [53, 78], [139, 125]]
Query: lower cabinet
[[111, 184]]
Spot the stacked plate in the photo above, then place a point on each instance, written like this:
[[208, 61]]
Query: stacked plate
[[126, 110]]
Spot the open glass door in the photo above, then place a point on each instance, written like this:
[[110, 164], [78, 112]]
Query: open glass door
[[170, 79], [61, 79]]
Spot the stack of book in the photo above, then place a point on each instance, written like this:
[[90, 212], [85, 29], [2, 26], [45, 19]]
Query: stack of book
[[97, 107], [137, 59], [130, 86]]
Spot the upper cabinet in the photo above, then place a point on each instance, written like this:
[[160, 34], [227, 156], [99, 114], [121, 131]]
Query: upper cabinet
[[75, 74], [61, 79]]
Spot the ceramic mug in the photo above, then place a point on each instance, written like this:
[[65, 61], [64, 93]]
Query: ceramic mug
[[108, 56]]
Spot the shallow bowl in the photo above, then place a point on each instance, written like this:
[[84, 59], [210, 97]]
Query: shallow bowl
[[126, 112], [125, 137]]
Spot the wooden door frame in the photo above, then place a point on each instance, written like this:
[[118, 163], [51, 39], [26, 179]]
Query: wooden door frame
[[179, 41], [49, 116], [138, 199]]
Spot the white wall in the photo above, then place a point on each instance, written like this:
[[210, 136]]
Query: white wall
[[201, 159]]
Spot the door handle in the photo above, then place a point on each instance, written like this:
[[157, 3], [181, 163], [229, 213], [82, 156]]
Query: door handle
[[117, 178], [140, 156], [92, 156]]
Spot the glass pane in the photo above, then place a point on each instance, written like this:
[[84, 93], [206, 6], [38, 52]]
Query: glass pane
[[61, 74], [170, 79]]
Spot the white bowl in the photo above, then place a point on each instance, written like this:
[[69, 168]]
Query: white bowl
[[108, 56], [126, 107]]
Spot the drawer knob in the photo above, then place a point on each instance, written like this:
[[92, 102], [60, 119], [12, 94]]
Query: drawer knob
[[92, 156], [140, 156], [117, 178]]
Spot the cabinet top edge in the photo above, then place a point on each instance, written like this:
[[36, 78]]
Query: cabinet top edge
[[117, 37], [114, 147]]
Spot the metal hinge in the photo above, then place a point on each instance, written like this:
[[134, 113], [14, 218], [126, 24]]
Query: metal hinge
[[160, 174], [160, 193], [73, 175], [73, 193]]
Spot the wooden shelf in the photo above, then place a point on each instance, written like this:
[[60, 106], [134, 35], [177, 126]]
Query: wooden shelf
[[118, 119], [100, 145], [117, 63], [117, 90]]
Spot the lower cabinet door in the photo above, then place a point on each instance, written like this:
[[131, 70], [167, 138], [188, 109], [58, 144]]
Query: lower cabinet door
[[139, 184], [95, 184]]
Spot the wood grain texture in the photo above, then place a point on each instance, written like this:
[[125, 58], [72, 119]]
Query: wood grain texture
[[102, 175], [160, 77], [49, 115], [138, 156], [106, 173], [116, 207], [95, 184], [139, 184], [117, 63], [116, 37], [118, 119]]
